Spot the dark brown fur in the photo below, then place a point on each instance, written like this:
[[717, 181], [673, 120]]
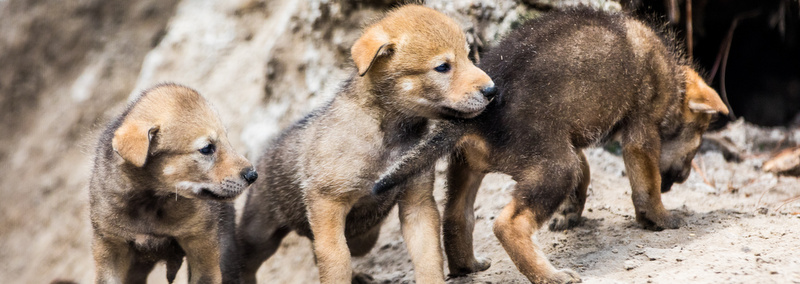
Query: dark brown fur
[[154, 196], [318, 173], [566, 81]]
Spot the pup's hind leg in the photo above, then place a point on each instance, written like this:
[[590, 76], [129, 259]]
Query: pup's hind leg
[[569, 214], [459, 216], [259, 236], [539, 191]]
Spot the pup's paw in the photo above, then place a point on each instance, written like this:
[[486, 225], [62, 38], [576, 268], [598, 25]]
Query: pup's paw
[[477, 265], [362, 278], [670, 221], [563, 276], [665, 221], [563, 221]]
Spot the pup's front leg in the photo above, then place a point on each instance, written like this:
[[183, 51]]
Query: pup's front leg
[[203, 258], [326, 216], [419, 219], [641, 163], [112, 260]]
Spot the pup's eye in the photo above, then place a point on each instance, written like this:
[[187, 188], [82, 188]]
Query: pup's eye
[[442, 68], [208, 149]]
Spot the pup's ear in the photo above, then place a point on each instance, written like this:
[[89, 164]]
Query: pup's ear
[[373, 44], [132, 141], [700, 97]]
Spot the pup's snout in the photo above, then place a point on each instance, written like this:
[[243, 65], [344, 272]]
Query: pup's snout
[[250, 175], [489, 92]]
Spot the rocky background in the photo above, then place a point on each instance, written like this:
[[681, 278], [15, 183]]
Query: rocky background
[[68, 67]]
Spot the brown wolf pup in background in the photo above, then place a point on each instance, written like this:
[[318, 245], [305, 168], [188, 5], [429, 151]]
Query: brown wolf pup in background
[[566, 81], [163, 174], [412, 67]]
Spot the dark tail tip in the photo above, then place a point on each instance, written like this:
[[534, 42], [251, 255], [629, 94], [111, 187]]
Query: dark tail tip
[[173, 265], [383, 185]]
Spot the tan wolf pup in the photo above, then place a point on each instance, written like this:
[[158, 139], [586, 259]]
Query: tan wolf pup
[[412, 66], [164, 175]]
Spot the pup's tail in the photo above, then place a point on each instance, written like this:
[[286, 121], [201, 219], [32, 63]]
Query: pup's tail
[[439, 141]]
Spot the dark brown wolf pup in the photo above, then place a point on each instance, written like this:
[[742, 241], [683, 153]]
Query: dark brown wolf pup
[[163, 176], [566, 81]]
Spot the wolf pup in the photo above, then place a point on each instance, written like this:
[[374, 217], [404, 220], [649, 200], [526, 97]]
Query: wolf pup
[[566, 81], [163, 174], [412, 67]]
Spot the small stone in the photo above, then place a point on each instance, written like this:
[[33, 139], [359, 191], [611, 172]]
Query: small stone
[[614, 251], [762, 210], [655, 253], [631, 264]]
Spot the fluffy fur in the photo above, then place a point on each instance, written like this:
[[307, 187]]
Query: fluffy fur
[[162, 174], [412, 67], [566, 81]]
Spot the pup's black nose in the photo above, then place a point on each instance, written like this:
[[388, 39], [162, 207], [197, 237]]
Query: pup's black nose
[[489, 92], [250, 175]]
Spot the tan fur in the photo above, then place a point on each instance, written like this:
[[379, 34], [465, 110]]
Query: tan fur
[[514, 227], [320, 171], [700, 97], [154, 196], [132, 141]]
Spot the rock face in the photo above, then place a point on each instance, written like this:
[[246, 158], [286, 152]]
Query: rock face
[[65, 68]]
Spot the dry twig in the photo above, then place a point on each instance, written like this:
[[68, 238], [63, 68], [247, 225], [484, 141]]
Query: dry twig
[[787, 201], [702, 174]]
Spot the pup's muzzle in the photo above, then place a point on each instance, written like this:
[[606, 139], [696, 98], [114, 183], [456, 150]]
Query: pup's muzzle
[[673, 176]]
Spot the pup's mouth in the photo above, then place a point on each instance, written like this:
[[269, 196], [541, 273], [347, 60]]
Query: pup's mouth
[[226, 191], [666, 185], [670, 178], [451, 113], [469, 108]]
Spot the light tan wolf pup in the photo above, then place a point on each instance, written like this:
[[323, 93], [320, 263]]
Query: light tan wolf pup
[[412, 67], [163, 173]]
